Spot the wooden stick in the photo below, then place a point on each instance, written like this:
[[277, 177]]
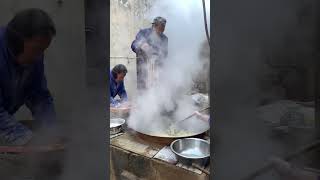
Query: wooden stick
[[29, 149], [316, 171], [192, 115]]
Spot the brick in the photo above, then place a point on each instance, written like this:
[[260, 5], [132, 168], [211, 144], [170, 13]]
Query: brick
[[165, 171]]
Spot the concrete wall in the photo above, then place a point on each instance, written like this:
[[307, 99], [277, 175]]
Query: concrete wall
[[126, 17]]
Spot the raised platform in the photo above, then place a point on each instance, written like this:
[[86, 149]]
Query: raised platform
[[134, 158]]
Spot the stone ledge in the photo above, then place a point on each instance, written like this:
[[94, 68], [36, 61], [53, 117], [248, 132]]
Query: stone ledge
[[126, 164]]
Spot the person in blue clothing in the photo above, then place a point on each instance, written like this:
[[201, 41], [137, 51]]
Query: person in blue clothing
[[117, 87], [150, 43], [22, 79]]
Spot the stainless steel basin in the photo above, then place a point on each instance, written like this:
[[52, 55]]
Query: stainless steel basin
[[191, 150], [116, 125]]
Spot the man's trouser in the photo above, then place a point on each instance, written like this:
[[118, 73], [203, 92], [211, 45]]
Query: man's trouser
[[141, 72], [143, 66]]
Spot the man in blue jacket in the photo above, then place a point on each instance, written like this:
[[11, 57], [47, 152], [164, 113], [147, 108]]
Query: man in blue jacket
[[150, 43], [22, 78], [117, 75]]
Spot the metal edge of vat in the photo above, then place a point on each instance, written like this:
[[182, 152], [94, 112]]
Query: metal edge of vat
[[173, 137], [164, 140]]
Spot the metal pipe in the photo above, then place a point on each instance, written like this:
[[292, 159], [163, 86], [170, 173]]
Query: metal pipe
[[205, 20], [317, 99], [317, 74], [122, 57]]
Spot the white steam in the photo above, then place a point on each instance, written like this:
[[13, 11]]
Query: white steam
[[186, 33]]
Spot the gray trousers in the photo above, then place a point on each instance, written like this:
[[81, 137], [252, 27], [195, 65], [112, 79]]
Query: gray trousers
[[142, 71]]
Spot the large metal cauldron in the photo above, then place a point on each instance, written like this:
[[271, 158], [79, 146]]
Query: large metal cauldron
[[193, 126]]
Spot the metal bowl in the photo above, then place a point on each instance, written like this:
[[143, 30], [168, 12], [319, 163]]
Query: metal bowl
[[191, 151], [116, 125]]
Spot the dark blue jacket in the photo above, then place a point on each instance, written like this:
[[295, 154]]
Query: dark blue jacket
[[159, 48], [22, 85], [117, 89]]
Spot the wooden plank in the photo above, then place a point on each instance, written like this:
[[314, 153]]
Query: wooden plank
[[31, 149], [132, 144]]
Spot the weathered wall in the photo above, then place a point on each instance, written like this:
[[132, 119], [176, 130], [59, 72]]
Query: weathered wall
[[127, 17]]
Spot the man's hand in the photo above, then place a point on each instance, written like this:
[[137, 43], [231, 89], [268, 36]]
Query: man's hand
[[48, 134], [125, 104], [197, 113], [26, 139], [115, 105], [201, 116], [145, 47]]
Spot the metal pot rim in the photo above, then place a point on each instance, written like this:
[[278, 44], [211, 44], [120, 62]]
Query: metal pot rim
[[123, 121], [171, 147]]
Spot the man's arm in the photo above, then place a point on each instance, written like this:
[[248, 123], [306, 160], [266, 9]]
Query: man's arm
[[138, 42], [11, 131], [203, 117], [113, 102], [123, 93], [164, 52], [40, 101]]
